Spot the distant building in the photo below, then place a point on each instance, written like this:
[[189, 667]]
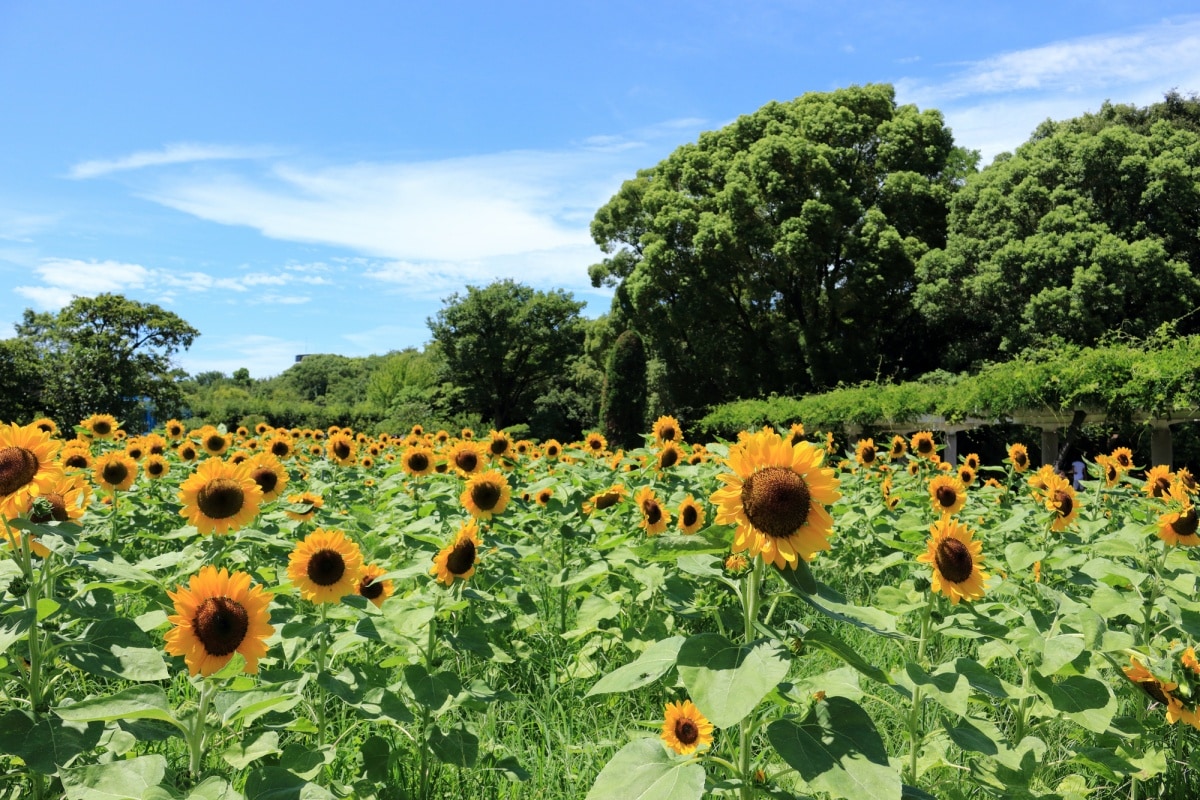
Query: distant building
[[302, 356]]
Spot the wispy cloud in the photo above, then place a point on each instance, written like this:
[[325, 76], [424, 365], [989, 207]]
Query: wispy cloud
[[263, 355], [995, 103], [180, 153]]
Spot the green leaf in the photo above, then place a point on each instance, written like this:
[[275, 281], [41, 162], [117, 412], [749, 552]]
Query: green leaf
[[726, 681], [133, 702], [241, 754], [833, 605], [246, 707], [800, 579], [376, 755], [14, 628], [836, 749], [121, 780], [431, 691], [669, 547], [458, 747], [833, 645], [947, 688], [1085, 700], [645, 770], [213, 788], [47, 744], [1021, 557], [276, 783], [1059, 651], [651, 665], [118, 648]]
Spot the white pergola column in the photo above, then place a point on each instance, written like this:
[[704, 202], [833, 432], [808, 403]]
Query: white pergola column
[[1049, 444]]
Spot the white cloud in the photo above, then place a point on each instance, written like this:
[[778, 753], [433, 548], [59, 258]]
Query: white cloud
[[180, 153], [263, 355], [47, 298]]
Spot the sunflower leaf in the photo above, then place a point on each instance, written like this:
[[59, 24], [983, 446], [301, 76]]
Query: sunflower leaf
[[645, 770], [727, 681], [655, 662], [120, 780], [144, 701], [801, 578]]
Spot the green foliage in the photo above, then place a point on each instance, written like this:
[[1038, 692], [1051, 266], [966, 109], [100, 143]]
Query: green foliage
[[21, 380], [793, 235], [1091, 226], [506, 344], [623, 405], [101, 354]]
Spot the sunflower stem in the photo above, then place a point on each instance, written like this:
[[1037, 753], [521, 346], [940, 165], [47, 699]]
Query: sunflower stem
[[915, 734], [749, 613], [1157, 567], [322, 652], [112, 534], [197, 735], [430, 643]]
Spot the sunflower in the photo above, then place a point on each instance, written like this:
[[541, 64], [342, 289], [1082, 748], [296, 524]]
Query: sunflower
[[467, 457], [776, 496], [174, 429], [1124, 458], [75, 458], [1112, 472], [499, 444], [417, 461], [923, 445], [552, 449], [342, 449], [544, 496], [374, 590], [1179, 697], [212, 441], [1178, 528], [68, 497], [46, 425], [898, 449], [972, 461], [261, 429], [796, 433], [101, 426], [217, 615], [325, 566], [864, 452], [655, 519], [966, 474], [956, 558], [28, 467], [466, 434], [691, 515], [279, 446], [308, 502], [1060, 498], [1040, 481], [1158, 481], [666, 429], [685, 730], [486, 493], [114, 471], [1018, 456], [605, 499], [457, 559], [156, 467], [219, 497], [1184, 476], [523, 447], [268, 472], [595, 443], [947, 494], [668, 456]]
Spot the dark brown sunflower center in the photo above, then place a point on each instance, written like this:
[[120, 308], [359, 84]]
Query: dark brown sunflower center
[[498, 447], [174, 431], [1185, 524], [369, 589], [1020, 459], [1161, 487], [1188, 480], [776, 501], [156, 468], [1123, 460], [689, 515], [595, 444], [418, 462], [953, 560], [221, 625], [543, 497], [1110, 473], [668, 434], [280, 449], [467, 461], [220, 498], [18, 467], [214, 443], [686, 732], [946, 496], [76, 461], [485, 495], [114, 473], [187, 453], [924, 446], [669, 457], [326, 567], [795, 439], [607, 500], [461, 558], [341, 450], [652, 511], [266, 479], [135, 453], [1064, 503], [868, 455], [101, 427], [58, 509], [552, 451]]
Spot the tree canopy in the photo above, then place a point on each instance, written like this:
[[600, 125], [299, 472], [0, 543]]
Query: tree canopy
[[103, 354], [779, 252], [505, 345], [1091, 225]]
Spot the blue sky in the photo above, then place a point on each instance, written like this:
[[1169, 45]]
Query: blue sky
[[301, 177]]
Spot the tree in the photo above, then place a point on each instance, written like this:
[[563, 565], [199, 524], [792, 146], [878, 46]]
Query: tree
[[505, 345], [1092, 225], [20, 381], [778, 253], [623, 408], [107, 354]]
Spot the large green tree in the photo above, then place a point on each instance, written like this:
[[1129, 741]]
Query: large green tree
[[1090, 226], [506, 344], [107, 354], [778, 253]]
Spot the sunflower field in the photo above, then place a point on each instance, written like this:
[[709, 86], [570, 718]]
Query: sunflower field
[[297, 613]]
